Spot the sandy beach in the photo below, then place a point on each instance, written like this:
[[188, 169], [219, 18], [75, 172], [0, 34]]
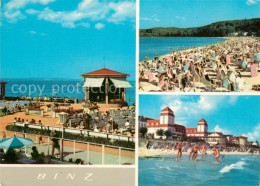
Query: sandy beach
[[223, 67]]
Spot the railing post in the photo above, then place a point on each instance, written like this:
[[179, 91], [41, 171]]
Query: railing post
[[103, 152], [61, 149], [119, 159], [88, 154], [74, 149], [48, 146]]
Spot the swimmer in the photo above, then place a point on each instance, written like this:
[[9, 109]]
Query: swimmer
[[204, 151], [191, 151], [179, 151], [216, 153], [195, 153]]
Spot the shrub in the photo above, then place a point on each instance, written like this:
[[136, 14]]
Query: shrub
[[70, 136]]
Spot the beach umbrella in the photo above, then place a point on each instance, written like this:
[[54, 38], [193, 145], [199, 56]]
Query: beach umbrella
[[15, 143]]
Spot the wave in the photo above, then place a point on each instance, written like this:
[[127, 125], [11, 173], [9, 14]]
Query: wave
[[237, 165], [163, 167]]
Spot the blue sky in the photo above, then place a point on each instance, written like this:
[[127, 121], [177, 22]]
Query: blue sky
[[236, 115], [63, 39], [193, 13]]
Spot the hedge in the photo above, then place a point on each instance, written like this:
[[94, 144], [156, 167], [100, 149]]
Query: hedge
[[70, 136]]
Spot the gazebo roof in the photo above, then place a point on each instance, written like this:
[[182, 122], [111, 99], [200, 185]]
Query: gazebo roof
[[105, 72]]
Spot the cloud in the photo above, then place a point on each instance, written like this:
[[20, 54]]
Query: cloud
[[86, 25], [185, 107], [180, 17], [218, 129], [254, 135], [32, 32], [99, 26], [121, 11], [152, 18], [250, 2], [87, 10], [12, 8]]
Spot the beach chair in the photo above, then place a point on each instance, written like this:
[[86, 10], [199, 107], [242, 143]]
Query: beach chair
[[253, 69]]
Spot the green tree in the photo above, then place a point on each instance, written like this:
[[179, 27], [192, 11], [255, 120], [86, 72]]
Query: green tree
[[160, 133], [167, 133], [143, 131]]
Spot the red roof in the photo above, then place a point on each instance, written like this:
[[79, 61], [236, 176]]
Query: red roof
[[167, 109], [179, 126], [191, 130], [104, 71], [153, 121], [202, 122]]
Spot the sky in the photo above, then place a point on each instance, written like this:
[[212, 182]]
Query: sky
[[236, 115], [63, 39], [194, 13]]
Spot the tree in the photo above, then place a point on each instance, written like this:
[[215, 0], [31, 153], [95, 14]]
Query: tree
[[5, 110], [143, 131], [160, 133], [167, 133]]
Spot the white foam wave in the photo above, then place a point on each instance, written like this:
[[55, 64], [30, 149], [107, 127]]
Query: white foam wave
[[237, 165], [163, 167]]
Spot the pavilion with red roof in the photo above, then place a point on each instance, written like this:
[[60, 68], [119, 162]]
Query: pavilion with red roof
[[105, 86]]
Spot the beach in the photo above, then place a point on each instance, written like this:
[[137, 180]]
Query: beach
[[229, 66]]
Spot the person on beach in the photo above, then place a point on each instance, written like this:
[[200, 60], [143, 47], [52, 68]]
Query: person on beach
[[204, 151], [191, 151], [55, 142], [179, 151], [216, 153], [4, 136], [195, 152]]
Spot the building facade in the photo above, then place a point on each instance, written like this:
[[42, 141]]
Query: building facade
[[166, 122]]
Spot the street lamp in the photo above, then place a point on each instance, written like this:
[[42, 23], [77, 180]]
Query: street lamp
[[63, 116]]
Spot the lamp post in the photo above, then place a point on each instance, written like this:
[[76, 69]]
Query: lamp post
[[63, 116]]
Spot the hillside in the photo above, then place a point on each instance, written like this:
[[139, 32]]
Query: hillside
[[218, 29]]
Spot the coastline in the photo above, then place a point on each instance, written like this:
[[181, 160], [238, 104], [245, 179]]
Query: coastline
[[142, 153], [186, 49]]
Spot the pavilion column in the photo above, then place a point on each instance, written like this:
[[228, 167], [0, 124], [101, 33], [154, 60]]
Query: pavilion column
[[87, 93], [124, 94], [2, 91], [106, 90]]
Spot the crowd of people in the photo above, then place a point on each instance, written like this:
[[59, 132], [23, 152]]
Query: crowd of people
[[219, 67]]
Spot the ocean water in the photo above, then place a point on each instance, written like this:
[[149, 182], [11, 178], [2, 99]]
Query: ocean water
[[232, 170], [50, 87], [157, 46]]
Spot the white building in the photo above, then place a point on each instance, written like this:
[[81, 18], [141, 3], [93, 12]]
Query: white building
[[142, 122], [201, 130], [166, 122]]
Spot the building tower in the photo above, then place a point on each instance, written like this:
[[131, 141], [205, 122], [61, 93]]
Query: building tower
[[202, 126], [167, 116]]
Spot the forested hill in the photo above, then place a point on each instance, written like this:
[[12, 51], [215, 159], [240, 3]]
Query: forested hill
[[218, 29]]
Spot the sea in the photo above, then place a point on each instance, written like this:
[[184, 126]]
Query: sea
[[53, 87], [158, 46], [239, 170]]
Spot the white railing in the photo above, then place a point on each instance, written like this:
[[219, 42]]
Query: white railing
[[91, 153], [80, 131]]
